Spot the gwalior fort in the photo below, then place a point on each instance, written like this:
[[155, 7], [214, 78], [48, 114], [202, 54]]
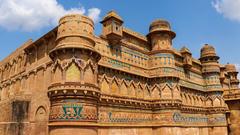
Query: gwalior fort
[[73, 82]]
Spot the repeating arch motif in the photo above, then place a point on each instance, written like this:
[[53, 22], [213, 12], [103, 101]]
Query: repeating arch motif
[[133, 89]]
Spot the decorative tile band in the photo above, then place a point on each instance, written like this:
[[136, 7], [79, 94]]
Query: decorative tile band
[[73, 112], [160, 118], [178, 117]]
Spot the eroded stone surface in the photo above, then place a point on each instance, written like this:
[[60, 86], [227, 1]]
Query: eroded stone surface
[[71, 81]]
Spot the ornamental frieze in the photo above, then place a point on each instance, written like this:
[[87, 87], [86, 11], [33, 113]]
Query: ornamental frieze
[[190, 118], [82, 64], [164, 118], [73, 112]]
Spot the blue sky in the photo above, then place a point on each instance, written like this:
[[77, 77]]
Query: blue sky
[[196, 22]]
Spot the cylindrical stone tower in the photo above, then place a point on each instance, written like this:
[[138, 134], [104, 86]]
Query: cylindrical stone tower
[[74, 92], [161, 35], [162, 59], [163, 70], [210, 68], [214, 98], [162, 55]]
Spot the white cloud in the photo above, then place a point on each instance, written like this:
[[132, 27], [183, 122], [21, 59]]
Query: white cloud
[[228, 8], [30, 15], [94, 13]]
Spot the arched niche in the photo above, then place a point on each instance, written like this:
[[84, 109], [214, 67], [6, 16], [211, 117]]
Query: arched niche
[[147, 93], [73, 73], [89, 76], [155, 93], [41, 121], [190, 100], [176, 92], [166, 92], [139, 92], [209, 102], [114, 87], [105, 86], [41, 114], [184, 99], [217, 102], [131, 91], [124, 89], [57, 75]]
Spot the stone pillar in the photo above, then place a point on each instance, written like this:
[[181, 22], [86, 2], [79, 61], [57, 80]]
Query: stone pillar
[[74, 92]]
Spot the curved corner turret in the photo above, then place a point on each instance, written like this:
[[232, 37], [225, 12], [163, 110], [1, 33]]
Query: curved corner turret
[[160, 35], [75, 31], [162, 54], [210, 68], [162, 60], [74, 91]]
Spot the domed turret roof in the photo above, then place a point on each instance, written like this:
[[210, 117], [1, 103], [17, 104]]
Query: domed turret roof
[[112, 14], [230, 68], [161, 25], [207, 47], [185, 50], [207, 50]]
